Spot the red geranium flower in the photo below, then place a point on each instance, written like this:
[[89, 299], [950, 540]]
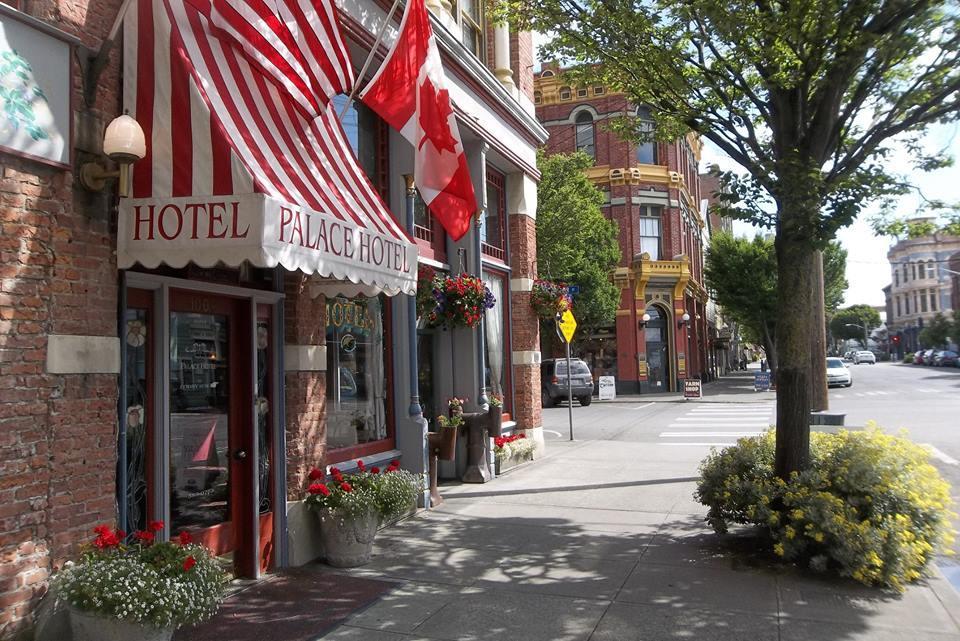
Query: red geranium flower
[[155, 526], [361, 466], [346, 487], [374, 470], [188, 563], [319, 488], [185, 538], [315, 474], [143, 536]]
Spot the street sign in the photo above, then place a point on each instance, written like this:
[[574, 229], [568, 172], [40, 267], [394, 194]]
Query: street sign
[[608, 388], [692, 388], [761, 381], [568, 325], [573, 289]]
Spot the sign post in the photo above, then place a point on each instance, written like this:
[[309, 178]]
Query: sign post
[[568, 325], [761, 381], [692, 388]]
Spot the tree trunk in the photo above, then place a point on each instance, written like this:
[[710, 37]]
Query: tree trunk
[[819, 400], [795, 270]]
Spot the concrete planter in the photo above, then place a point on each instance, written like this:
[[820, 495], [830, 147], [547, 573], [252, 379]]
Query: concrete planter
[[347, 541], [87, 626], [512, 461]]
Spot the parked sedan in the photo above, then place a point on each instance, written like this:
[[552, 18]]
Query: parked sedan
[[838, 374], [864, 357], [946, 358], [553, 381], [918, 357]]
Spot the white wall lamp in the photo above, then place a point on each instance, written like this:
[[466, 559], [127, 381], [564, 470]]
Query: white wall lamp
[[683, 320], [125, 144], [642, 323]]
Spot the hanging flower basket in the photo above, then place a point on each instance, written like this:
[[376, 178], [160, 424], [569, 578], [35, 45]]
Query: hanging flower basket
[[458, 301], [549, 299]]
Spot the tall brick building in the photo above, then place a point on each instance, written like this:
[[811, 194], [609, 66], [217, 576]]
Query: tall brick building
[[653, 193], [148, 373]]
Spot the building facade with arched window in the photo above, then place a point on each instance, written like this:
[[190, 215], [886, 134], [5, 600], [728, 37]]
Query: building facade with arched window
[[925, 281], [653, 192]]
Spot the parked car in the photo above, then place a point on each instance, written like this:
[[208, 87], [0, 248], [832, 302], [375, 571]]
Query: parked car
[[838, 374], [946, 358], [918, 358], [929, 355], [553, 381], [864, 357], [848, 355]]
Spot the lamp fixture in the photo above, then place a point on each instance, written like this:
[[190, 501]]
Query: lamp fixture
[[683, 320], [643, 321], [124, 143]]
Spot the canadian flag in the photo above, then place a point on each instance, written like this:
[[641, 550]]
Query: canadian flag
[[409, 92]]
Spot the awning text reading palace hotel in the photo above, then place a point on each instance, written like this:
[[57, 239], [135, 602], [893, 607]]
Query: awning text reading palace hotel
[[211, 253]]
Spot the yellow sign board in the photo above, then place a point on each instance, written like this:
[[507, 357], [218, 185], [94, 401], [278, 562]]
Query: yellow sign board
[[568, 325]]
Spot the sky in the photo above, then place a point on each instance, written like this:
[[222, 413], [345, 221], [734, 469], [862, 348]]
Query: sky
[[868, 271]]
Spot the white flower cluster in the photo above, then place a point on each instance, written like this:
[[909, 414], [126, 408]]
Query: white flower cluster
[[162, 594]]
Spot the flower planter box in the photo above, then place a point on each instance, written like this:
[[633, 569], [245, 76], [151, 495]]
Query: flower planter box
[[512, 461], [87, 626]]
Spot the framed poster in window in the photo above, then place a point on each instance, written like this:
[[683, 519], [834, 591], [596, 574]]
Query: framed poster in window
[[35, 88]]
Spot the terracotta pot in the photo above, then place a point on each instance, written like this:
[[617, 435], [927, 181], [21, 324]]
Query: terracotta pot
[[443, 443], [87, 626], [495, 423], [347, 541]]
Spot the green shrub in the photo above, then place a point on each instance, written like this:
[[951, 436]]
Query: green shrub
[[908, 358], [870, 506]]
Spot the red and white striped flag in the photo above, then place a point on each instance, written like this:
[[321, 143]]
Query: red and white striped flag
[[409, 92], [295, 43]]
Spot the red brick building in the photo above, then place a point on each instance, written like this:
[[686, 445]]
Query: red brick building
[[653, 193], [168, 381]]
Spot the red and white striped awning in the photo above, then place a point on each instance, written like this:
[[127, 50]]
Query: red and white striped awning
[[246, 159]]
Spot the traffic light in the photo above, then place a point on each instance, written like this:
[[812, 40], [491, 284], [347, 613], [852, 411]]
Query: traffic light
[[896, 340]]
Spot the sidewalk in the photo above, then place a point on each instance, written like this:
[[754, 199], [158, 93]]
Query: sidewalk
[[735, 387], [602, 541]]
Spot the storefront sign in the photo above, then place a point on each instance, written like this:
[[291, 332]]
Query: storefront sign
[[761, 381], [692, 388], [35, 73], [608, 388], [264, 231]]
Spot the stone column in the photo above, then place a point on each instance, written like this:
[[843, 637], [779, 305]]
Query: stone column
[[501, 56], [525, 328]]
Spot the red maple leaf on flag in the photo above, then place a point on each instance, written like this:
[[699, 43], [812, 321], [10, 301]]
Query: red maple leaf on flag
[[435, 110]]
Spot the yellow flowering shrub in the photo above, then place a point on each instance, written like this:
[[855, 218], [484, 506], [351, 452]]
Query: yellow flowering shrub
[[870, 506]]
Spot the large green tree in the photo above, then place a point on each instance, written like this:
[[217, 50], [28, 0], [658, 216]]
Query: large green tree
[[848, 323], [742, 274], [575, 243], [806, 96], [937, 333]]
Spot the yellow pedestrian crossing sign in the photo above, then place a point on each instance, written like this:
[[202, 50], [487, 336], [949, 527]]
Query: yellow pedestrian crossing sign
[[568, 325]]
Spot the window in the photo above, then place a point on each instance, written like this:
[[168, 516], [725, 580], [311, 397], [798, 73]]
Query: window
[[899, 313], [598, 91], [585, 134], [547, 74], [581, 93], [491, 230], [356, 381], [646, 150], [470, 15], [565, 93], [916, 303], [913, 271], [650, 230], [896, 278], [428, 232], [537, 97], [497, 372], [933, 300], [905, 273], [923, 301], [367, 138], [906, 302], [931, 269]]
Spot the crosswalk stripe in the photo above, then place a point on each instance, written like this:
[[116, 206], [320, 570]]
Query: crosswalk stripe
[[701, 434]]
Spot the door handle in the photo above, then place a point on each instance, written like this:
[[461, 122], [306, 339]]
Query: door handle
[[240, 455]]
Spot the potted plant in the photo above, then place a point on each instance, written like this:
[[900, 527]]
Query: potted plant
[[495, 413], [352, 506], [510, 451], [444, 442], [142, 590], [458, 301], [549, 299]]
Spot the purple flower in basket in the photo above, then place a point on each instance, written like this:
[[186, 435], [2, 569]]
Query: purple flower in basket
[[488, 299]]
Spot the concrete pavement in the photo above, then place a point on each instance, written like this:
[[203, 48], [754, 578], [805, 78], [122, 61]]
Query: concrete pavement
[[603, 541]]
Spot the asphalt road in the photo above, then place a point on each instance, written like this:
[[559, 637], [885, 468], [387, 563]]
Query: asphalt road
[[923, 400]]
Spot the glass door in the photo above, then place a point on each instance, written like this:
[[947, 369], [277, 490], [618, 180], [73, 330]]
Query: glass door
[[209, 391]]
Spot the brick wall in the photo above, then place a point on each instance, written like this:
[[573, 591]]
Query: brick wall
[[305, 324], [521, 61], [57, 276], [525, 330]]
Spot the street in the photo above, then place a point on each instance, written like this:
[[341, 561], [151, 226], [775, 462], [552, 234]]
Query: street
[[923, 400]]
